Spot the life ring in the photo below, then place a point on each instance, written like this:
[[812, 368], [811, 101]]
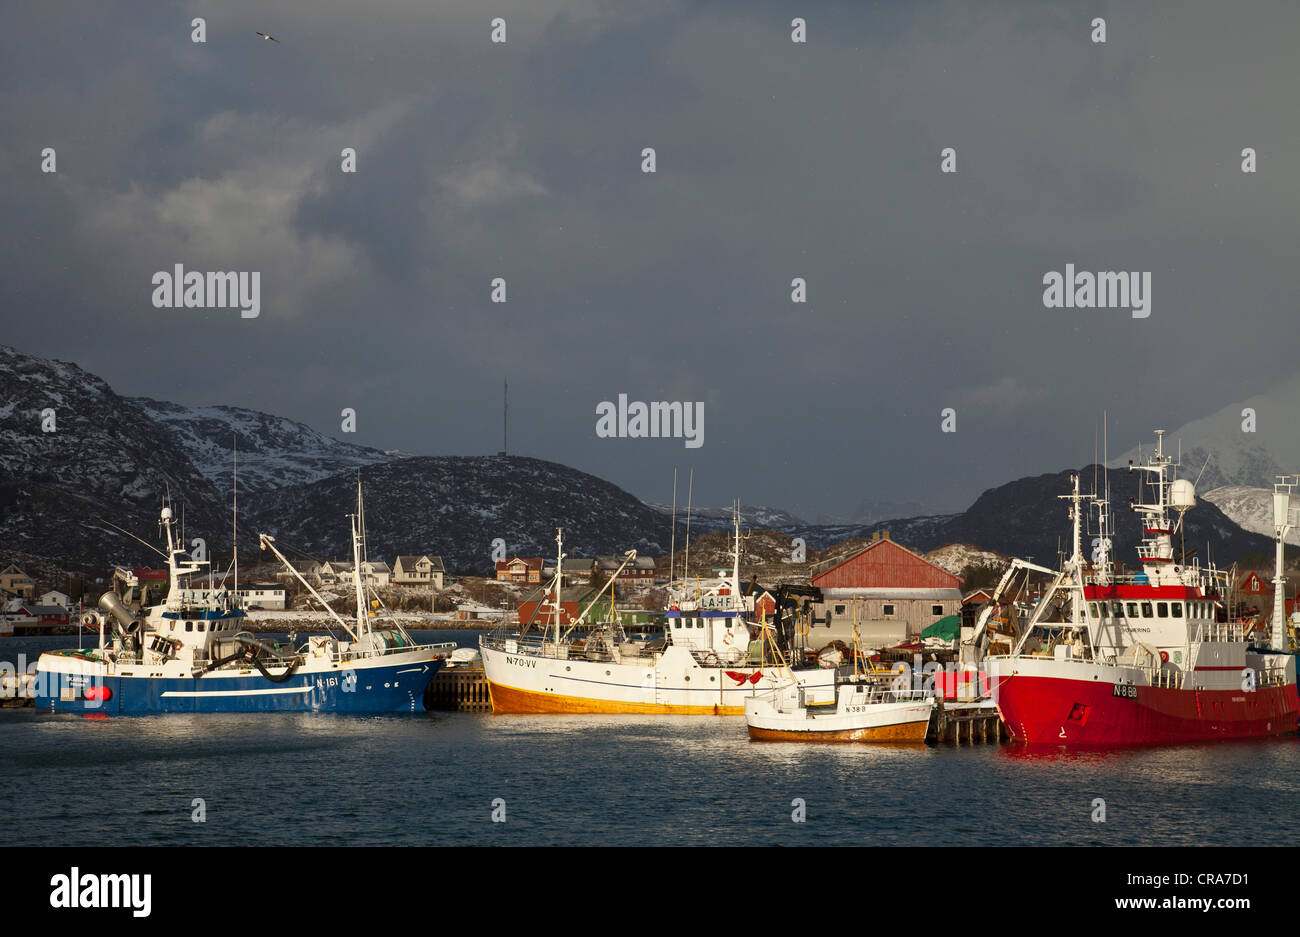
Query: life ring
[[710, 659], [727, 640]]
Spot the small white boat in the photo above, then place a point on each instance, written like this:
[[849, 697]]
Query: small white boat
[[866, 710]]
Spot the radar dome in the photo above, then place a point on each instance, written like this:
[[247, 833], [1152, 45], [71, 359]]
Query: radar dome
[[1182, 494]]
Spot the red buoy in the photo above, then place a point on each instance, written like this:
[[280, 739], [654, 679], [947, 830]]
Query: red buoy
[[105, 693], [91, 692]]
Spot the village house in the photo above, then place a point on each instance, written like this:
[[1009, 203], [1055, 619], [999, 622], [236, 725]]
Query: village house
[[517, 569], [254, 595], [18, 582], [641, 569], [762, 601], [1251, 584], [423, 570], [41, 619], [972, 604], [885, 581], [373, 572], [55, 597]]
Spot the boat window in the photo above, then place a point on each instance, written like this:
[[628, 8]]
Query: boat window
[[1132, 610], [936, 609], [171, 626], [699, 623], [189, 626], [839, 610], [1162, 609], [1092, 609], [1177, 609], [1146, 609], [1116, 609], [200, 626], [889, 610]]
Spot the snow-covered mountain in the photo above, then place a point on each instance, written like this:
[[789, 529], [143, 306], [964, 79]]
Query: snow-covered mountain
[[955, 557], [273, 451], [1250, 508], [1237, 457], [72, 451]]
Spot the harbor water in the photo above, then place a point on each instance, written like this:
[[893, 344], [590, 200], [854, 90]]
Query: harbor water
[[441, 778]]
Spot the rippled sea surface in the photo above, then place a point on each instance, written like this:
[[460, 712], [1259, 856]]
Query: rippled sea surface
[[432, 779]]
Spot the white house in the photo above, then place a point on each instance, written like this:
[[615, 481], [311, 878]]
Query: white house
[[373, 572], [55, 597], [267, 595], [411, 570]]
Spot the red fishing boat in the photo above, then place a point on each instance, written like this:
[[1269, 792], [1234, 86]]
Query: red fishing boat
[[1142, 659]]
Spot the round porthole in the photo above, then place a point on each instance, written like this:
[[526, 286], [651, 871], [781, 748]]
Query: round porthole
[[607, 673], [568, 668], [711, 679]]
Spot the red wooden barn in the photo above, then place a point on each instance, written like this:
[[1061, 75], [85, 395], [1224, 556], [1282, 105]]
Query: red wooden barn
[[885, 581]]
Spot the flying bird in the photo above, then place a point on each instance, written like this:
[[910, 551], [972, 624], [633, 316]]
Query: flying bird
[[265, 36]]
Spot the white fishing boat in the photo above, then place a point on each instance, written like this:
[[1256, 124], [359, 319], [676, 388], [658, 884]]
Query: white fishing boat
[[866, 710], [708, 662], [875, 706]]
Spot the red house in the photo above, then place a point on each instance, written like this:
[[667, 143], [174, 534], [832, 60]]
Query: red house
[[1252, 584], [47, 616]]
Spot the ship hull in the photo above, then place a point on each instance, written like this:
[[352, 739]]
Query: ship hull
[[882, 722], [1048, 710], [673, 685], [509, 699], [907, 732], [359, 687]]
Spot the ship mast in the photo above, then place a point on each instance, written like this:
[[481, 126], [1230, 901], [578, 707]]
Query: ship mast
[[362, 626], [559, 577], [1075, 564], [735, 558], [1281, 527]]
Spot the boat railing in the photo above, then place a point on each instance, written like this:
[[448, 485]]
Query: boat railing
[[1271, 676], [1221, 631], [574, 648], [1167, 678], [446, 647], [734, 657]]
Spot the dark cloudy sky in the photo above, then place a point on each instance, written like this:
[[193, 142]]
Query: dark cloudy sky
[[775, 160]]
